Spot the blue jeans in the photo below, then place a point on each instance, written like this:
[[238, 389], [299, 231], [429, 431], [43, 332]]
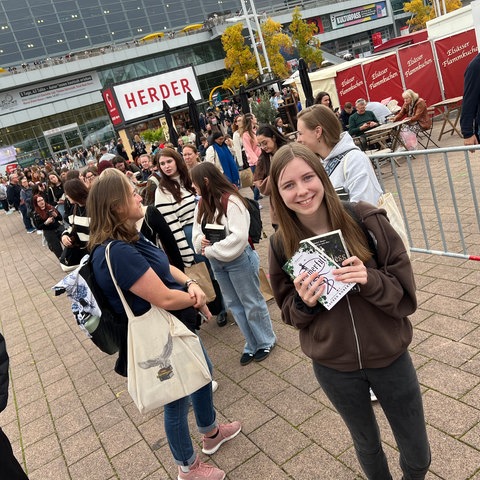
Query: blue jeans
[[256, 191], [26, 219], [240, 286], [398, 393], [176, 420]]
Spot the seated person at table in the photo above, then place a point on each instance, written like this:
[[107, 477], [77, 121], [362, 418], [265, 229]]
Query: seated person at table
[[361, 121], [415, 110], [380, 110], [347, 111]]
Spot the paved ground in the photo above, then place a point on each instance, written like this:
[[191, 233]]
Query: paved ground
[[70, 417]]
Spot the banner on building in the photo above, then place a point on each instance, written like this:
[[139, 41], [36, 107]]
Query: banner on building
[[144, 97], [353, 16], [48, 92]]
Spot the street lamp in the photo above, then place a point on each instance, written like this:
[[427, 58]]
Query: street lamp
[[246, 16]]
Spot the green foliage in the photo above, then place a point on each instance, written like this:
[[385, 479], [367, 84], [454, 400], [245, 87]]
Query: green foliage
[[303, 36], [422, 12], [264, 110], [151, 136], [239, 59], [275, 40]]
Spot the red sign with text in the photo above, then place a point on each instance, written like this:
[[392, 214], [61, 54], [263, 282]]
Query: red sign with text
[[454, 54], [383, 79], [350, 85], [419, 73], [112, 107]]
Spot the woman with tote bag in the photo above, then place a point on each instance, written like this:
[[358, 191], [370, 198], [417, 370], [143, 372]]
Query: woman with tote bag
[[147, 280]]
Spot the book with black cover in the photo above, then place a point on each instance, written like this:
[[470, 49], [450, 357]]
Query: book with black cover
[[332, 243], [214, 232]]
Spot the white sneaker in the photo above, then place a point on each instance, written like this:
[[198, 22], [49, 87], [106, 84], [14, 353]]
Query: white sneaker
[[39, 232], [214, 386], [373, 397]]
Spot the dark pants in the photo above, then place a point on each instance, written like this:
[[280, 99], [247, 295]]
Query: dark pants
[[53, 239], [26, 219], [5, 205], [9, 467], [398, 393]]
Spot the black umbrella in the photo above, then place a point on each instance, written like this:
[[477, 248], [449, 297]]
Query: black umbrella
[[244, 103], [172, 133], [194, 118], [306, 84]]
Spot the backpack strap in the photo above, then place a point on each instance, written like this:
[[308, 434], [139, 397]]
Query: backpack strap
[[333, 163]]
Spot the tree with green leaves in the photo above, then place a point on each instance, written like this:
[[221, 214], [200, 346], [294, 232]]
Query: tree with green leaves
[[239, 59], [274, 41], [303, 36], [422, 12]]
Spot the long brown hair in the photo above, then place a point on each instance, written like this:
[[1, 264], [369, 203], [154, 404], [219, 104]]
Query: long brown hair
[[320, 115], [213, 184], [169, 184], [291, 231], [107, 208]]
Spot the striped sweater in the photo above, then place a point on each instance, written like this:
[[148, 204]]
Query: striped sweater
[[177, 215]]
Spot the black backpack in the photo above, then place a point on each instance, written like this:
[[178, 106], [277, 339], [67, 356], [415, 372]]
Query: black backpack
[[91, 309], [256, 226]]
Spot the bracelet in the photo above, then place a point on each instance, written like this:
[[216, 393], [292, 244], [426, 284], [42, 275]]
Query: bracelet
[[189, 282]]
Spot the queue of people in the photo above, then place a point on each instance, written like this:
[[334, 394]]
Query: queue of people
[[153, 244]]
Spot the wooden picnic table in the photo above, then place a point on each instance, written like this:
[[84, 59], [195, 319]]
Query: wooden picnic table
[[384, 132], [446, 107]]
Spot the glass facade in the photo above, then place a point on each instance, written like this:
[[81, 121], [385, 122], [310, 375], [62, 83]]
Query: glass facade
[[32, 30]]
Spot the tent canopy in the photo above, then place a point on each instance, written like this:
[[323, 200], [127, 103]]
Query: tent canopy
[[193, 26], [152, 36]]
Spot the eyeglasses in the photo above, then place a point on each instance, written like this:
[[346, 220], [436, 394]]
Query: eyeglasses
[[89, 177]]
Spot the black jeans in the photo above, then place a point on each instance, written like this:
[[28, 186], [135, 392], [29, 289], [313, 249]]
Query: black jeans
[[398, 393], [9, 467]]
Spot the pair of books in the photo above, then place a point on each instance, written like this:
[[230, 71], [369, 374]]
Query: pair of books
[[321, 254]]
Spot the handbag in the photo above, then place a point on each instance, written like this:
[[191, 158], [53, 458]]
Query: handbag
[[165, 359], [199, 272], [71, 258], [265, 287], [246, 178], [387, 202]]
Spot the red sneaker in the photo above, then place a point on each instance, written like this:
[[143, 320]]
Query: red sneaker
[[225, 432]]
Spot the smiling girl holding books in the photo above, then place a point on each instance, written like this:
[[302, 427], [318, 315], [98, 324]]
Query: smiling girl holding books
[[362, 341], [234, 262]]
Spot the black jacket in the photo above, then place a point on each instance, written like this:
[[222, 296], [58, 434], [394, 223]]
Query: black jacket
[[3, 374], [470, 118]]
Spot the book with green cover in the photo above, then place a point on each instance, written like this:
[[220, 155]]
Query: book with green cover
[[309, 258]]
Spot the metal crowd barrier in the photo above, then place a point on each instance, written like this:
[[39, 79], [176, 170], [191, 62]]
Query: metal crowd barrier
[[437, 193]]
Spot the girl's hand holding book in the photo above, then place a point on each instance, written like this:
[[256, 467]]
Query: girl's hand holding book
[[352, 271], [309, 287]]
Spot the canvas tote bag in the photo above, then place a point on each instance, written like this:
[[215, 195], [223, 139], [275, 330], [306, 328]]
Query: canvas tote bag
[[165, 359], [387, 202]]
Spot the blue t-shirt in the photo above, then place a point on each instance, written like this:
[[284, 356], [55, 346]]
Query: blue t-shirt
[[129, 262]]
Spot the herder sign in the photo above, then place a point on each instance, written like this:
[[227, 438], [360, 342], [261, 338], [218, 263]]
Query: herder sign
[[144, 97]]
